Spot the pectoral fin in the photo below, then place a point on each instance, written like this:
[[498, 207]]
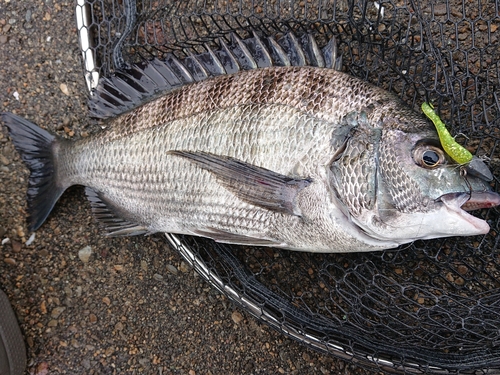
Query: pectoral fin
[[255, 185]]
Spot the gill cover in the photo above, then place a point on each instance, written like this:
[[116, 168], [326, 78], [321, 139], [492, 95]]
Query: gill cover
[[354, 167]]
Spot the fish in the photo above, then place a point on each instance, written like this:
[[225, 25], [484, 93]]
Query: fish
[[305, 158]]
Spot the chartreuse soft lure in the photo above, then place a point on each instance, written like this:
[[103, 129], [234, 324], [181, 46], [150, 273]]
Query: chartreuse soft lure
[[456, 151]]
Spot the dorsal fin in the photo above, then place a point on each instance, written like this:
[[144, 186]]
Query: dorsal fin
[[179, 69], [333, 59], [164, 69], [141, 82], [112, 218], [293, 50], [227, 58], [312, 52], [241, 52], [259, 51], [193, 65], [212, 62], [111, 101], [277, 52]]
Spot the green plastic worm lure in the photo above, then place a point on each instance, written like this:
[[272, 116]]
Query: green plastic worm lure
[[456, 151]]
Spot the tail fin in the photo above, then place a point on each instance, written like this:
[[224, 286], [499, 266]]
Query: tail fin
[[35, 147]]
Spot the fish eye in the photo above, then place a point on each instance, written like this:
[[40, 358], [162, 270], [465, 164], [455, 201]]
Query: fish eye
[[428, 156]]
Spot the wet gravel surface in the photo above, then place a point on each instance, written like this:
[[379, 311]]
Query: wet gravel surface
[[93, 305]]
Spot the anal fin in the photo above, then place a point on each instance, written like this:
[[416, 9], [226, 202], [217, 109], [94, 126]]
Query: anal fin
[[112, 218], [255, 185]]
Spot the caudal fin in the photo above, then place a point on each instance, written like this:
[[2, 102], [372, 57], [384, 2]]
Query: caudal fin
[[35, 146]]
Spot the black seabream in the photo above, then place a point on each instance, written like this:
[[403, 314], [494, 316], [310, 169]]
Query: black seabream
[[298, 157]]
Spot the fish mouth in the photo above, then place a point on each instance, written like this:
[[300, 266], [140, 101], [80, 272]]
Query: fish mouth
[[460, 203]]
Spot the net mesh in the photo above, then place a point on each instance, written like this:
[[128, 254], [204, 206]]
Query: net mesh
[[433, 306]]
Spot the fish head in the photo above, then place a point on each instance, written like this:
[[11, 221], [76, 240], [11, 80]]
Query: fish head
[[399, 185]]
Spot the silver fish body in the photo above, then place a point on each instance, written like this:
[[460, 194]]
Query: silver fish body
[[302, 158]]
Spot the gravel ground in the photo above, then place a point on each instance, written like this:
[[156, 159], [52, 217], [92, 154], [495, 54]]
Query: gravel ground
[[134, 306]]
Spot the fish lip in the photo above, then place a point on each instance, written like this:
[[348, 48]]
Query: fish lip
[[461, 202]]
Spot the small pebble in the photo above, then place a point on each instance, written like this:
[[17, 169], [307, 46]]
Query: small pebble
[[237, 317], [462, 270], [16, 246], [57, 312], [64, 89], [118, 267], [85, 253], [144, 361], [144, 265], [106, 300], [183, 267], [43, 307], [42, 369], [157, 277], [86, 364], [31, 239], [92, 318], [440, 9], [20, 231], [172, 269], [10, 261]]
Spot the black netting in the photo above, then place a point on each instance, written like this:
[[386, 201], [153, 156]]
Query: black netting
[[433, 306]]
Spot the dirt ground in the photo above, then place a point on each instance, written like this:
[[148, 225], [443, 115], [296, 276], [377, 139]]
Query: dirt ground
[[134, 306]]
